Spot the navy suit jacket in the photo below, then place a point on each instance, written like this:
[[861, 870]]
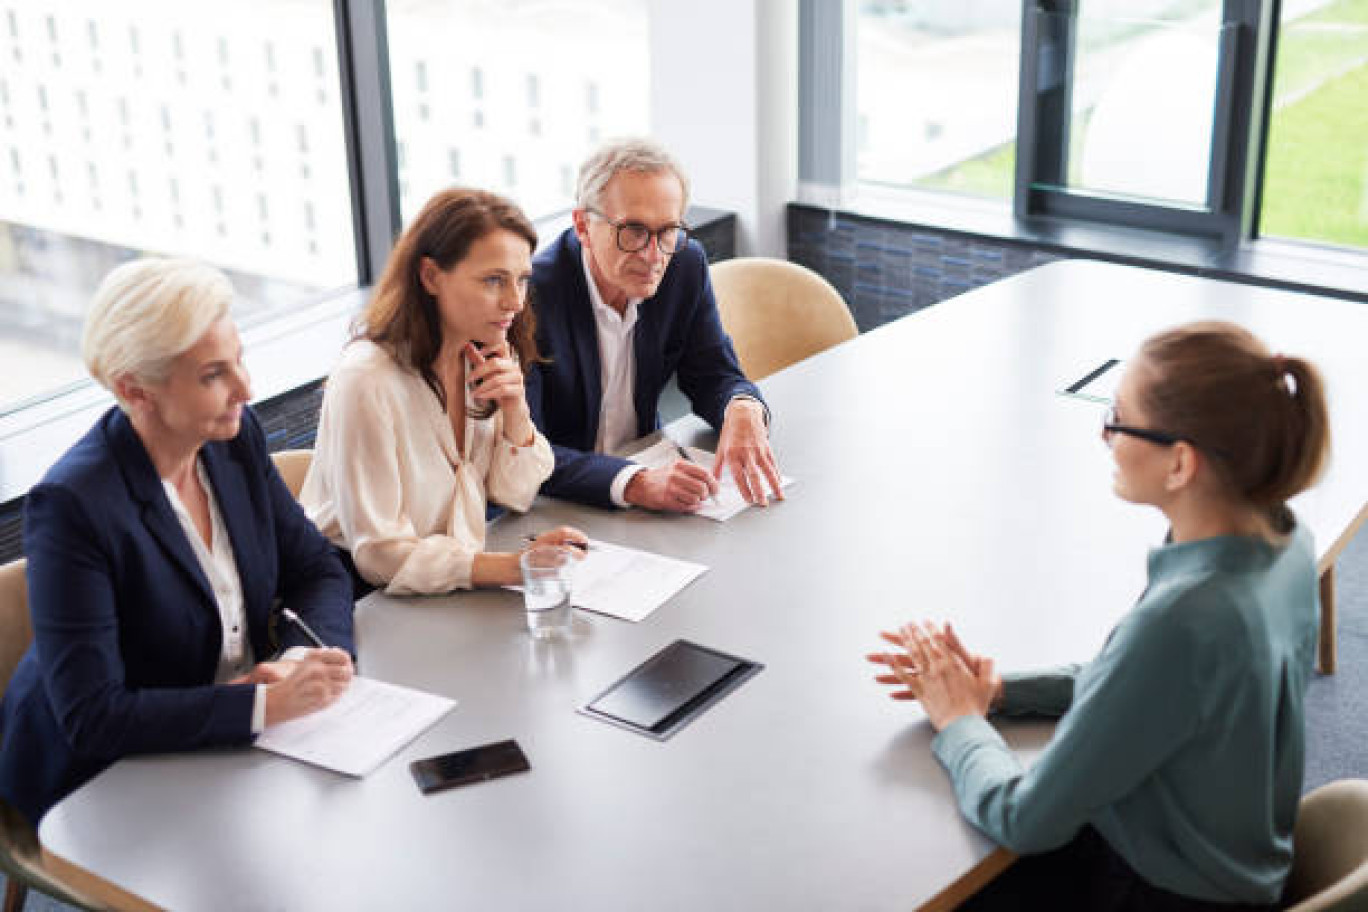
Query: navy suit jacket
[[126, 629], [678, 332]]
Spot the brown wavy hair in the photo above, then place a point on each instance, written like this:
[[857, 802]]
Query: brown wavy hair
[[402, 315], [1260, 417]]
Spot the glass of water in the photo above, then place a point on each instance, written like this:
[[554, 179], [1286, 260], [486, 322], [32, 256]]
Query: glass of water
[[546, 574]]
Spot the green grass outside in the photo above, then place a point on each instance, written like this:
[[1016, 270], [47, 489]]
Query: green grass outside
[[1346, 11], [1307, 57], [1316, 178]]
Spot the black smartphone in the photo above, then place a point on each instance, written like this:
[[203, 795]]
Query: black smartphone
[[488, 761]]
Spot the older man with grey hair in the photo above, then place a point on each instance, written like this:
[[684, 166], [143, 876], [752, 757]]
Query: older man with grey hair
[[623, 304]]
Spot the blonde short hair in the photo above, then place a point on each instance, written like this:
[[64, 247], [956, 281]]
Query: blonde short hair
[[146, 313], [628, 153]]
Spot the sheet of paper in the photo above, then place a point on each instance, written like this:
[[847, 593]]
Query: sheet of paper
[[365, 727], [627, 583], [729, 501]]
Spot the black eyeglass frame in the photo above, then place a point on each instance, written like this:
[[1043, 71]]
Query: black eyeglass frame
[[652, 235], [1163, 438]]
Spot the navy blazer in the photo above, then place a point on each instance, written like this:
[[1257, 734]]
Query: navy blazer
[[126, 628], [678, 332]]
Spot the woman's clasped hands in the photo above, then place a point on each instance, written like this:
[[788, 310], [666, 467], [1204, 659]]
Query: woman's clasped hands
[[933, 666]]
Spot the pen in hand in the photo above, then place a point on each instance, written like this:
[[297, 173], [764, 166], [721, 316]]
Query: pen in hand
[[299, 622], [530, 538], [684, 455]]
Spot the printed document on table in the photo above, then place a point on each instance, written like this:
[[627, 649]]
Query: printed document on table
[[729, 501], [367, 725], [628, 583]]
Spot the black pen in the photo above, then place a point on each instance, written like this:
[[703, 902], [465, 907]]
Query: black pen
[[684, 455], [582, 546], [299, 622]]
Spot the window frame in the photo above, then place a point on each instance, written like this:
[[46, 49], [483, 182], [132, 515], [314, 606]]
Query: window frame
[[1044, 124]]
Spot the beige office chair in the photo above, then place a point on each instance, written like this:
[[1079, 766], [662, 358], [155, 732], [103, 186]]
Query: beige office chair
[[778, 313], [21, 859], [293, 465], [1330, 850]]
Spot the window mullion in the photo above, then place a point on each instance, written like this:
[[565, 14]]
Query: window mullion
[[372, 159]]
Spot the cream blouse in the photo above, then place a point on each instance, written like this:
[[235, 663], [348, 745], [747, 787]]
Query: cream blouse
[[388, 483]]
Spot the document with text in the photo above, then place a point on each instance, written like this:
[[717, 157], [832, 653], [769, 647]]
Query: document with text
[[627, 583], [728, 502], [367, 725]]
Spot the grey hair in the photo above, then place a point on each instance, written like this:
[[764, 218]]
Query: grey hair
[[148, 312], [629, 153]]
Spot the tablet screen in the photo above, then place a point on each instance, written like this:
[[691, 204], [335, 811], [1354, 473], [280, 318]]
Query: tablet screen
[[664, 684]]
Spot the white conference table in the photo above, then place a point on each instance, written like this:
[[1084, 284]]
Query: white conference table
[[939, 474]]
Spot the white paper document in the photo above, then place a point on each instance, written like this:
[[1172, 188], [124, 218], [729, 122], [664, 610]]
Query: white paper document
[[365, 727], [628, 583], [729, 501]]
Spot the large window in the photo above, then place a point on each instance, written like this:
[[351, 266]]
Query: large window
[[1218, 121], [210, 130], [937, 94], [511, 95], [1316, 172]]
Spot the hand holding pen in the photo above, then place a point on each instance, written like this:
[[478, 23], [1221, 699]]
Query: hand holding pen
[[684, 455], [562, 537], [680, 487], [296, 688]]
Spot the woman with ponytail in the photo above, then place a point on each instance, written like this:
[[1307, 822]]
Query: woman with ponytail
[[1173, 778]]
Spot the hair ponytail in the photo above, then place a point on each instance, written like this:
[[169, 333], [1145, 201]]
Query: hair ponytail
[[1304, 430], [1260, 418]]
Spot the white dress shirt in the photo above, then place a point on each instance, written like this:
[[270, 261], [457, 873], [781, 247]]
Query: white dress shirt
[[617, 378], [389, 483], [220, 568]]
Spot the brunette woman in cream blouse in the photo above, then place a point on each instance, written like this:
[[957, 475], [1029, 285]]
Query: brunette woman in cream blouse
[[424, 417]]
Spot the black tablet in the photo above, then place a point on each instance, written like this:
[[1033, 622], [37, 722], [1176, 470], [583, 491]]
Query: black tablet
[[671, 688]]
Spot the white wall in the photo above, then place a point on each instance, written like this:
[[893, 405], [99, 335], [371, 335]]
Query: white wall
[[724, 94]]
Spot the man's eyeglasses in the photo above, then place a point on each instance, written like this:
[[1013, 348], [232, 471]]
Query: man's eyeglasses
[[634, 236], [1111, 425]]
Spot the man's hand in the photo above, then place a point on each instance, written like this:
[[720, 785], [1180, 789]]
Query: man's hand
[[680, 488], [743, 449]]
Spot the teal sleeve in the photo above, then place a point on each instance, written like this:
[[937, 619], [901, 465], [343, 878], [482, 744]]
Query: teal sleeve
[[1133, 708], [1048, 692]]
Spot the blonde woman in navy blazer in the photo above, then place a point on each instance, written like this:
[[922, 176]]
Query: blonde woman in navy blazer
[[156, 548]]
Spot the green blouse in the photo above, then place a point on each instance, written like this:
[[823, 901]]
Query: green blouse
[[1182, 742]]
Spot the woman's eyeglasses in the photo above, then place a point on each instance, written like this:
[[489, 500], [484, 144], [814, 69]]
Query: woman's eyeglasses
[[1111, 425]]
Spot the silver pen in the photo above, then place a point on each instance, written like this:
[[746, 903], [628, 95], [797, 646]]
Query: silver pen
[[299, 622]]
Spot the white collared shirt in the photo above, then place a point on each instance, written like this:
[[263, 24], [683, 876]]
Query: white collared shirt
[[219, 565], [617, 424]]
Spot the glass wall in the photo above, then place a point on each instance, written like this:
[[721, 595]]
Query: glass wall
[[155, 126], [1316, 168], [936, 95], [511, 95]]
